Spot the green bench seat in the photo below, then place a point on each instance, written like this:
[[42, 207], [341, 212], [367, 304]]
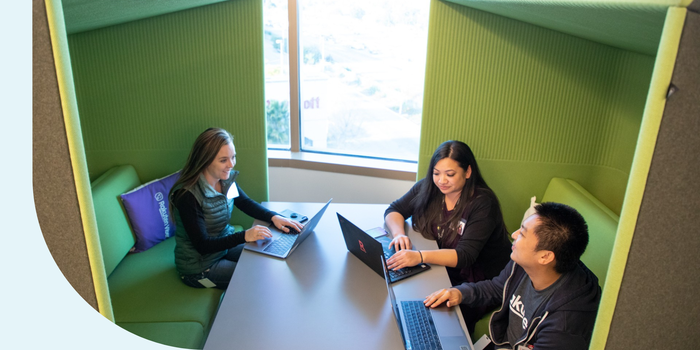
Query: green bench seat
[[147, 296]]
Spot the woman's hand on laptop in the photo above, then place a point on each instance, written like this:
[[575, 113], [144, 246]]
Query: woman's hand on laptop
[[403, 258], [400, 242], [280, 222], [257, 233], [451, 295]]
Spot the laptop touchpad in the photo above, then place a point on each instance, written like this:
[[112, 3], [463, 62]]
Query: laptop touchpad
[[447, 322]]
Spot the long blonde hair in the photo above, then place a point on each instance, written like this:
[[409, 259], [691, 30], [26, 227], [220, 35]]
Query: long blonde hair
[[204, 151]]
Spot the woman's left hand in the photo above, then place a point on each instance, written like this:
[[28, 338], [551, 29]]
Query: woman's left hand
[[280, 222], [403, 258]]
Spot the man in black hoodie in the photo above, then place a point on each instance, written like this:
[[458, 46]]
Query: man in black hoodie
[[549, 298]]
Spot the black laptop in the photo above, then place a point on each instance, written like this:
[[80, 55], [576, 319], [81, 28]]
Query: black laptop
[[371, 250]]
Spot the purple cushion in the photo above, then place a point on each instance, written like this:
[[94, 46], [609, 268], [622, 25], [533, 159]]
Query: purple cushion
[[148, 212]]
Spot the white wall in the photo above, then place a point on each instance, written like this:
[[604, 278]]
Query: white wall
[[301, 185]]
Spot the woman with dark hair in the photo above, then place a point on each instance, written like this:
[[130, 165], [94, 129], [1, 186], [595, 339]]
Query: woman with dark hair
[[454, 206], [202, 200]]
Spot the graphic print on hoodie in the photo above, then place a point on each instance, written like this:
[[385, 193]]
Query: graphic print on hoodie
[[523, 304]]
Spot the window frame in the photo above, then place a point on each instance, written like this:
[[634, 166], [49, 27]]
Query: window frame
[[295, 157]]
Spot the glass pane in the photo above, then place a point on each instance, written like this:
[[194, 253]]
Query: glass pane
[[362, 66], [276, 51]]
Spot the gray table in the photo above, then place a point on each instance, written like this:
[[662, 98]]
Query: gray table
[[320, 297]]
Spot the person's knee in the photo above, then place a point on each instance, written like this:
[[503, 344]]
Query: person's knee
[[220, 274]]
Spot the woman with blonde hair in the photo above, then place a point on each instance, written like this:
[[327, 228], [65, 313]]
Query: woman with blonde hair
[[202, 200]]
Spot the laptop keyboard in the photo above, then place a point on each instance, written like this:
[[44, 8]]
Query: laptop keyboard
[[395, 274], [281, 245], [421, 328]]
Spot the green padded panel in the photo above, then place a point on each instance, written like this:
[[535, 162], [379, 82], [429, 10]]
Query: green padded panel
[[83, 15], [112, 225], [524, 95], [188, 335], [145, 287], [630, 25], [602, 223], [516, 181], [147, 88]]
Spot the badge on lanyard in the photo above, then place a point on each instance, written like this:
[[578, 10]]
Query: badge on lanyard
[[207, 283], [460, 227], [232, 191]]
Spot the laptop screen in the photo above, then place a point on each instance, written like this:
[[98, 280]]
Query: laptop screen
[[392, 297], [311, 225]]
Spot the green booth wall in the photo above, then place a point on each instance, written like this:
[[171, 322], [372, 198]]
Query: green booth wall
[[559, 88], [146, 88], [533, 103]]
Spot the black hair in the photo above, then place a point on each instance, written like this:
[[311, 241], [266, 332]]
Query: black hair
[[428, 203], [563, 231]]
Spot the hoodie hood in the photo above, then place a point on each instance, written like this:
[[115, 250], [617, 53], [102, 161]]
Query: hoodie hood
[[580, 292]]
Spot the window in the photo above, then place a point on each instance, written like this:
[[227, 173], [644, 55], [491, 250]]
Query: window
[[360, 74]]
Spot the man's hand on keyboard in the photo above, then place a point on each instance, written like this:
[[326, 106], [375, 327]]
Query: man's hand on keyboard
[[452, 295]]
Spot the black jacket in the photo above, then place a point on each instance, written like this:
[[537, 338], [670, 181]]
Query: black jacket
[[566, 320], [483, 249]]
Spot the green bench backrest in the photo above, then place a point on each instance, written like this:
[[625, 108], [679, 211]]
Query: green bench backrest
[[113, 227], [602, 222]]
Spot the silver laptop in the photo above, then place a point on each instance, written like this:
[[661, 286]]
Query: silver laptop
[[426, 328], [282, 244]]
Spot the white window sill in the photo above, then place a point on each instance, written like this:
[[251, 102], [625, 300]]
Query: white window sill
[[343, 164]]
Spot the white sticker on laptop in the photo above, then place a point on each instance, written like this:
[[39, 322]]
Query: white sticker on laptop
[[232, 191]]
